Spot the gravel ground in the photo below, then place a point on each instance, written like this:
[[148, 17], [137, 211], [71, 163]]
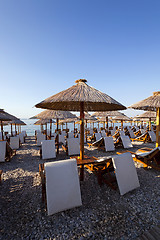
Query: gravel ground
[[104, 213]]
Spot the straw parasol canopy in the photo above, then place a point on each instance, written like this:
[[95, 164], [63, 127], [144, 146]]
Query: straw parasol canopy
[[51, 114], [151, 103], [43, 122], [81, 97]]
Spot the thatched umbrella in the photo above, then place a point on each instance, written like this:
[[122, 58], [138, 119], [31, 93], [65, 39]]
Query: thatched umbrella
[[4, 116], [122, 118], [148, 116], [18, 122], [151, 103], [52, 114], [106, 115], [81, 97], [43, 122], [69, 120]]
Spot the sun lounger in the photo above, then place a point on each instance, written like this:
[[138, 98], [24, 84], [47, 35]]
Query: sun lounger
[[40, 138], [60, 181], [70, 135], [48, 149], [15, 142], [131, 133], [21, 137], [97, 136], [103, 134], [152, 136], [126, 142], [109, 144], [99, 143], [149, 158], [73, 146], [62, 138], [2, 151], [126, 174]]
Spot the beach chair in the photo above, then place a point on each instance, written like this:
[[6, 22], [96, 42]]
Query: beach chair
[[21, 137], [109, 144], [14, 142], [73, 146], [40, 138], [147, 157], [48, 149], [131, 133], [125, 172], [97, 136], [70, 135], [126, 142], [152, 136], [103, 134], [60, 185], [2, 151], [99, 143], [62, 138], [142, 138]]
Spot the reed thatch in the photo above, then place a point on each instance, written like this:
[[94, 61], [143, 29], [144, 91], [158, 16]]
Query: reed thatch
[[150, 103], [70, 99], [148, 114], [43, 122], [52, 114], [122, 117], [87, 117], [68, 120], [4, 116], [107, 114]]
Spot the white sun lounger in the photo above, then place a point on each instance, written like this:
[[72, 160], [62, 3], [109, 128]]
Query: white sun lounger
[[40, 138], [48, 149], [103, 134], [62, 186], [109, 144], [152, 136], [73, 146], [21, 137], [126, 173], [97, 136], [2, 151], [14, 142], [62, 138], [70, 135], [126, 142]]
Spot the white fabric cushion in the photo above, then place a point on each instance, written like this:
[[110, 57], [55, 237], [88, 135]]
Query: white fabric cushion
[[21, 136], [14, 142], [98, 136], [152, 136], [73, 146], [62, 138], [125, 171], [70, 135], [109, 144], [126, 142], [40, 138], [2, 151], [62, 185], [48, 149]]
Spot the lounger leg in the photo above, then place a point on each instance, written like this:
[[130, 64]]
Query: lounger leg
[[81, 172]]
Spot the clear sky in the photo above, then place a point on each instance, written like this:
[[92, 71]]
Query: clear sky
[[45, 45]]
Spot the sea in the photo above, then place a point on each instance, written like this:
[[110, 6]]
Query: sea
[[30, 127]]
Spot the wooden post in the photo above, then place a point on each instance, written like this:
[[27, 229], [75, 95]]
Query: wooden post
[[107, 123], [121, 125], [86, 130], [158, 127], [150, 124], [50, 128], [41, 127], [81, 130], [15, 129], [2, 130], [74, 126], [57, 120], [11, 131], [46, 131]]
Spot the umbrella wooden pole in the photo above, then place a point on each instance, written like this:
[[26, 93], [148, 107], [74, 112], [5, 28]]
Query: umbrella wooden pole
[[15, 130], [86, 131], [107, 123], [2, 130], [158, 128], [149, 124], [41, 128], [57, 120], [46, 131], [11, 130], [50, 128], [121, 125], [81, 130]]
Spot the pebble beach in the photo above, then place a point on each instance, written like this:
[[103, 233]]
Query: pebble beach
[[105, 214]]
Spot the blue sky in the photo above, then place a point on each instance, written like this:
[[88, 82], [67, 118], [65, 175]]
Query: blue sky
[[46, 45]]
